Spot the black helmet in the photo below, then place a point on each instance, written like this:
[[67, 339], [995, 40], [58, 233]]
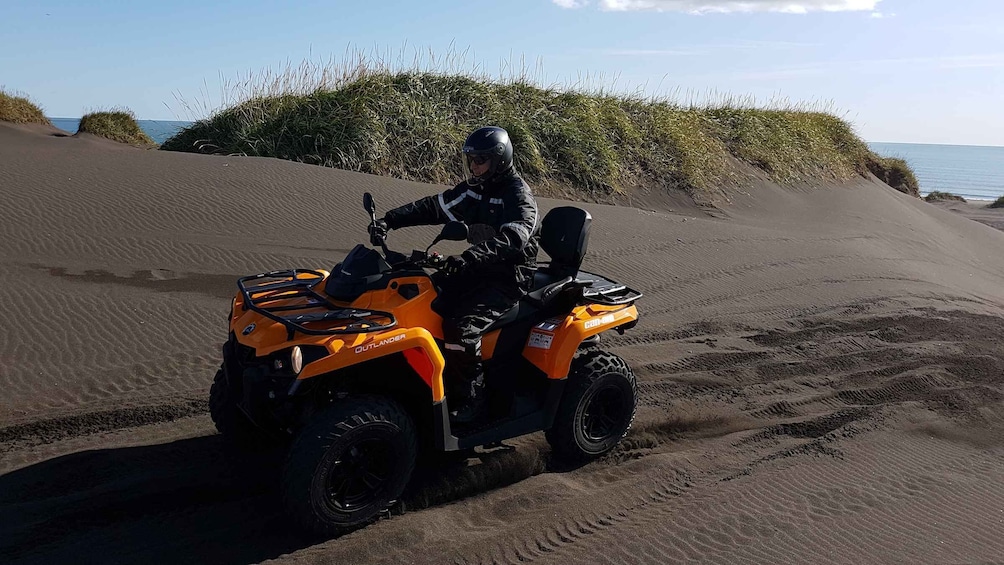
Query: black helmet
[[488, 144]]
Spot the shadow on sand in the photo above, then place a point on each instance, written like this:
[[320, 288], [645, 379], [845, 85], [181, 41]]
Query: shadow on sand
[[191, 500]]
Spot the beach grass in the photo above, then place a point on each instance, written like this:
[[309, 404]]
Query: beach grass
[[574, 140], [999, 203], [19, 109], [937, 196], [895, 172], [118, 125]]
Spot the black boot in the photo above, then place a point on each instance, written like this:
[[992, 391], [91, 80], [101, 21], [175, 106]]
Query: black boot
[[471, 407]]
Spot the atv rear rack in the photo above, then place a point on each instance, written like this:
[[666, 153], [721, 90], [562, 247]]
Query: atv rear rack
[[268, 294], [601, 290]]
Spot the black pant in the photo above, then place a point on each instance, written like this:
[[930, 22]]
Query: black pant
[[468, 306], [467, 312]]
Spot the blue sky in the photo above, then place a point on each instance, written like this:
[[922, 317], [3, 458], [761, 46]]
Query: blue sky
[[926, 71]]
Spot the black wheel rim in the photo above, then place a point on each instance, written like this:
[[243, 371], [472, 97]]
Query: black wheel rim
[[360, 475], [604, 414]]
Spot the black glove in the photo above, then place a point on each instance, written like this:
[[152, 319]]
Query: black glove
[[378, 232], [455, 265]]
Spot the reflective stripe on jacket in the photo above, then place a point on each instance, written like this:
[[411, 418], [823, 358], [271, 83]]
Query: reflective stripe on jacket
[[503, 219]]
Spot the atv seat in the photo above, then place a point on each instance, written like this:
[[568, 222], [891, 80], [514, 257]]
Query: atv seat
[[564, 236], [521, 311]]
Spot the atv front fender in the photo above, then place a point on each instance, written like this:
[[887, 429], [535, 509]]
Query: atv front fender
[[416, 344]]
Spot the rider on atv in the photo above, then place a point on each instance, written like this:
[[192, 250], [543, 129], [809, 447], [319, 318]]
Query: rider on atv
[[495, 272], [348, 365]]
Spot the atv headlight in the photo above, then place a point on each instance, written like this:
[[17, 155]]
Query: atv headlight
[[296, 360]]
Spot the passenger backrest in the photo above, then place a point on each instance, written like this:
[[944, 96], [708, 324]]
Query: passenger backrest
[[564, 236]]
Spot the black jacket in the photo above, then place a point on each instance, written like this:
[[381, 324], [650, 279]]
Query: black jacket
[[503, 221]]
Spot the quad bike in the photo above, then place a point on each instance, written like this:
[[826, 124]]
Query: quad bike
[[348, 366]]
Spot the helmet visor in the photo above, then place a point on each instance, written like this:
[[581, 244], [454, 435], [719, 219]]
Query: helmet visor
[[478, 165]]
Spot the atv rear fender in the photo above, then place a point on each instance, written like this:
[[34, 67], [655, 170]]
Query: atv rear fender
[[552, 343]]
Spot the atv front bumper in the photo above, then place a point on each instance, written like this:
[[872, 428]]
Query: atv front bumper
[[262, 391]]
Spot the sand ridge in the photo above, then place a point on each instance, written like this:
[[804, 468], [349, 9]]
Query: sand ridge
[[821, 373]]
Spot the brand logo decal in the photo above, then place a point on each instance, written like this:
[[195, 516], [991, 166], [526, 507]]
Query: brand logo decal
[[248, 330], [373, 345], [608, 319]]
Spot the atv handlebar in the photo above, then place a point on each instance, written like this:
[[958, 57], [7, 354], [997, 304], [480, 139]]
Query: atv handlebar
[[423, 259], [419, 259]]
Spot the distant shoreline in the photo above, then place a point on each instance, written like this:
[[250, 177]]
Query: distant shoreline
[[974, 172], [138, 119], [158, 130], [936, 145]]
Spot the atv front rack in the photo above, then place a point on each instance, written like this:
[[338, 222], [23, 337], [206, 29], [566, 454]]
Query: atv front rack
[[269, 294]]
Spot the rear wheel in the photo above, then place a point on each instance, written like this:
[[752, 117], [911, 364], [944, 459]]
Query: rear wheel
[[349, 464], [229, 419], [597, 409]]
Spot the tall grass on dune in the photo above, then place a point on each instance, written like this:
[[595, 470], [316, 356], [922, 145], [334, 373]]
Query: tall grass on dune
[[895, 172], [118, 125], [999, 203], [19, 109], [377, 118]]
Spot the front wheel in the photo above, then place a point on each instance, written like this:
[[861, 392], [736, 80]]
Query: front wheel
[[597, 409], [349, 464]]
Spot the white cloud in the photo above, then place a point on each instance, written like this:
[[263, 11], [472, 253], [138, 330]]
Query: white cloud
[[727, 6]]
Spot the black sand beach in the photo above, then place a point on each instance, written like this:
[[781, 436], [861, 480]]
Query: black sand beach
[[821, 375]]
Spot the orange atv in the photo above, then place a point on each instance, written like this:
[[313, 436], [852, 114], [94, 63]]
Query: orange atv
[[350, 366]]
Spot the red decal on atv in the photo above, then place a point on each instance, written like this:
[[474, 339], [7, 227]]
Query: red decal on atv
[[421, 363]]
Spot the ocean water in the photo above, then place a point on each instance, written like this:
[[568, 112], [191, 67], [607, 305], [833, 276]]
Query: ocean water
[[158, 130], [973, 172]]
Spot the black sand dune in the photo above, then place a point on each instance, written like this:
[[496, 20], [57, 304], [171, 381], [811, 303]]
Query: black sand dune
[[821, 373]]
